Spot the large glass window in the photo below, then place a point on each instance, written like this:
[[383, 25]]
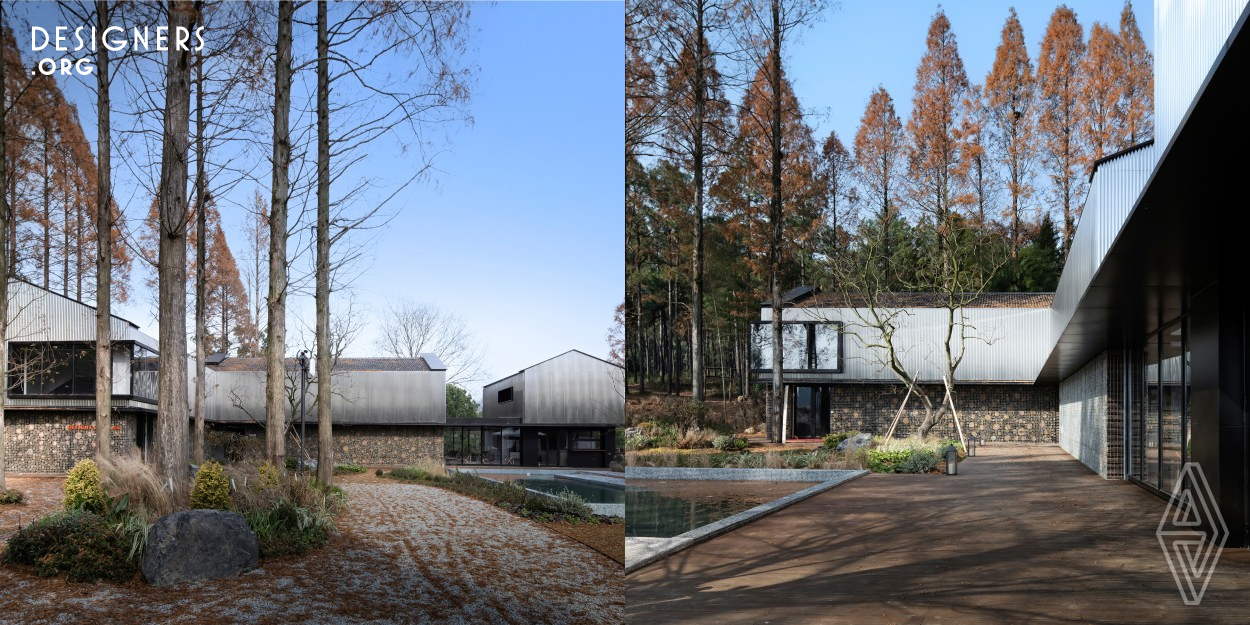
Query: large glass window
[[1158, 421], [143, 372], [51, 369], [806, 345]]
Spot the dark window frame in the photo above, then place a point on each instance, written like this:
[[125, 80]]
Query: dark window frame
[[499, 396], [811, 348]]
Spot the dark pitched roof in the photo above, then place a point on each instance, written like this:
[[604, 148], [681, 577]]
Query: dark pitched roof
[[249, 364], [925, 300], [343, 365], [381, 364]]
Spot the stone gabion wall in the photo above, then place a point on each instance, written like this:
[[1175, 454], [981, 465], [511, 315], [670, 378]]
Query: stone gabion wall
[[52, 441], [399, 445], [1021, 413], [1083, 408]]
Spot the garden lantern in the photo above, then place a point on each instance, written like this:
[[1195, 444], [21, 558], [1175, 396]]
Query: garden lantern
[[972, 445], [303, 390], [952, 460]]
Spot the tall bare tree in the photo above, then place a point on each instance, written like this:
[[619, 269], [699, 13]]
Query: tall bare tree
[[325, 439], [104, 247], [5, 242], [275, 346], [171, 443], [766, 26], [409, 328]]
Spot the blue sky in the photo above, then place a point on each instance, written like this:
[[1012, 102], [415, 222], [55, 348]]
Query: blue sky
[[860, 44], [520, 231]]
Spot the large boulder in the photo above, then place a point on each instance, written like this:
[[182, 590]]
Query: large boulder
[[856, 442], [199, 544]]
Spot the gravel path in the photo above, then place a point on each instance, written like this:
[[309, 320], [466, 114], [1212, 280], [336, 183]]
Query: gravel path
[[406, 554]]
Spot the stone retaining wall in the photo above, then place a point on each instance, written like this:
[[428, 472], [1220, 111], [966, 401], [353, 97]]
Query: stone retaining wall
[[1018, 413], [400, 445], [52, 441]]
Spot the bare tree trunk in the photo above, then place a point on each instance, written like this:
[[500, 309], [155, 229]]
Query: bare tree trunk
[[171, 448], [104, 247], [47, 212], [774, 243], [201, 245], [275, 348], [6, 245], [696, 312], [325, 439]]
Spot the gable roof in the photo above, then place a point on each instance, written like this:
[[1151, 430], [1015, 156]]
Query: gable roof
[[809, 297], [561, 355], [234, 363]]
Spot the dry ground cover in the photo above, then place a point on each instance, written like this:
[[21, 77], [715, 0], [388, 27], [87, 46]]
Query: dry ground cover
[[405, 553]]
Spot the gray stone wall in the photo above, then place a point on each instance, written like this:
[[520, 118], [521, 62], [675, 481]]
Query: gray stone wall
[[1083, 414], [1021, 413], [398, 445], [401, 445], [1092, 407], [52, 441]]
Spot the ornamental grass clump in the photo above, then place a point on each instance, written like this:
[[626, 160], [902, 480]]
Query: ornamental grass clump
[[10, 495], [290, 513], [83, 490], [211, 490]]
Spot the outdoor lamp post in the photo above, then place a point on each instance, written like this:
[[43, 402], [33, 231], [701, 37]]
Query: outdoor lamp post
[[952, 460], [303, 390], [972, 445]]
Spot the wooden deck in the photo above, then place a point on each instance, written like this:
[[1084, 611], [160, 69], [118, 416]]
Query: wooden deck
[[1025, 534]]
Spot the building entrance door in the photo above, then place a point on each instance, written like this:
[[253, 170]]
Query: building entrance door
[[810, 414]]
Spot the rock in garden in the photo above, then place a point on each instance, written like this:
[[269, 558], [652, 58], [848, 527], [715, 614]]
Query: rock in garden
[[856, 442], [199, 544]]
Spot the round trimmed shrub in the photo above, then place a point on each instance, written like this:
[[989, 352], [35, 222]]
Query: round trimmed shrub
[[211, 490], [80, 544], [83, 490]]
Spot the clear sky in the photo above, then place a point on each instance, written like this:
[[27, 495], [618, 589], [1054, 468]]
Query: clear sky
[[860, 44], [521, 231]]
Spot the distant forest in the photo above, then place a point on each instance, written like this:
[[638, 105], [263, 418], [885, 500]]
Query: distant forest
[[731, 198]]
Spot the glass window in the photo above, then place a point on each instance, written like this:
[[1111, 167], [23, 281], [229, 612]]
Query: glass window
[[587, 440], [1171, 404], [51, 369], [794, 346], [511, 446], [143, 372], [505, 395], [1150, 431], [826, 345]]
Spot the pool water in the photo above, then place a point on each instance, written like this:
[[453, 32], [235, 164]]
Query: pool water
[[592, 493], [654, 515]]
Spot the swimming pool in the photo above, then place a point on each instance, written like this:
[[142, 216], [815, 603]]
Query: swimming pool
[[592, 493], [672, 508]]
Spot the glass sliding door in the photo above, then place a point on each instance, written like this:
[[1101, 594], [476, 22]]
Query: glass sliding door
[[1158, 419]]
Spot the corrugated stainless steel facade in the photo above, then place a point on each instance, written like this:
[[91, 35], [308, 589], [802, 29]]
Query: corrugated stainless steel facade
[[1114, 192], [360, 397], [39, 315], [1011, 344], [1189, 36], [571, 389]]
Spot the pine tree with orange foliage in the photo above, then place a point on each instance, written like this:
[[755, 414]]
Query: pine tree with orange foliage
[[1135, 112], [937, 159], [1011, 108], [1058, 77], [879, 149], [1100, 86]]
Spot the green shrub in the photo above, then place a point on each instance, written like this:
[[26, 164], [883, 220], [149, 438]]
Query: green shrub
[[83, 490], [290, 513], [920, 461], [290, 464], [379, 472], [10, 496], [78, 543], [409, 474], [725, 442], [348, 467], [886, 461], [833, 440], [211, 490]]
